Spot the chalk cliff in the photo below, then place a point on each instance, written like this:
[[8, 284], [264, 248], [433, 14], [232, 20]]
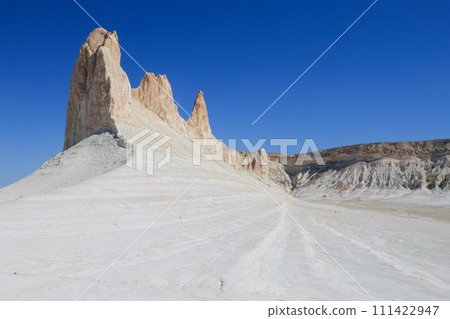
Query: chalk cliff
[[402, 165]]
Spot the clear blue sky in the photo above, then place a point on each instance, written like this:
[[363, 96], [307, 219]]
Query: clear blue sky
[[387, 79]]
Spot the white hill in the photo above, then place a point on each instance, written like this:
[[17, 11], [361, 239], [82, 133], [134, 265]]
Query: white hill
[[224, 238]]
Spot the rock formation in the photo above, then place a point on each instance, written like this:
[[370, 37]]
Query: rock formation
[[403, 165], [155, 93], [99, 88], [100, 96], [199, 121], [257, 162]]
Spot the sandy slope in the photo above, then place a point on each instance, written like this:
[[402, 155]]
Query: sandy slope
[[224, 239]]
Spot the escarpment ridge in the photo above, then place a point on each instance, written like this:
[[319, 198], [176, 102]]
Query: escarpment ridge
[[386, 165], [101, 97]]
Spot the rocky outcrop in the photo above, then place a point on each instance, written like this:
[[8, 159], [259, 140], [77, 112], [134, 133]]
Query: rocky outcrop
[[198, 127], [403, 165], [256, 162], [100, 98], [263, 164], [100, 94], [199, 121], [155, 93], [99, 88], [259, 162], [277, 174], [387, 173]]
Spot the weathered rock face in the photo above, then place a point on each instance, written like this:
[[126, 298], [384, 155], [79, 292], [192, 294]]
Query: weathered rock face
[[155, 93], [199, 121], [268, 166], [99, 88], [387, 173], [261, 166], [277, 174], [257, 162], [403, 165]]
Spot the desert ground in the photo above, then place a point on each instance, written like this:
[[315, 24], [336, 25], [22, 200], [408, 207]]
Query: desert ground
[[210, 233]]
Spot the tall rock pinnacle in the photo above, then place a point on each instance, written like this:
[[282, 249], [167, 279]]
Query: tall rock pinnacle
[[199, 121], [99, 88]]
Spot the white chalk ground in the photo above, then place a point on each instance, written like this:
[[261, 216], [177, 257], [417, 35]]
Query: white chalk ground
[[224, 239]]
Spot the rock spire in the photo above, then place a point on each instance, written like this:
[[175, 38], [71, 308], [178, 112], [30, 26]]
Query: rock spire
[[199, 120], [99, 88]]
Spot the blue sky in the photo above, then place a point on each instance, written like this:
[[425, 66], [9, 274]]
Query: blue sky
[[387, 79]]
